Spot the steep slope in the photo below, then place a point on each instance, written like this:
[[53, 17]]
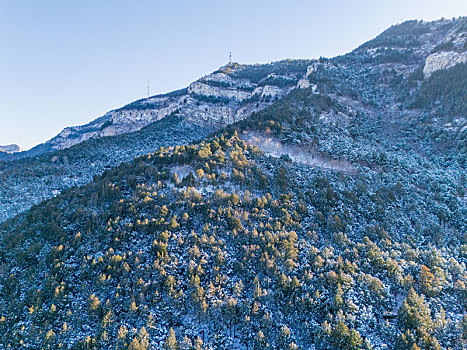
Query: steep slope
[[335, 218], [229, 94], [376, 98], [234, 249]]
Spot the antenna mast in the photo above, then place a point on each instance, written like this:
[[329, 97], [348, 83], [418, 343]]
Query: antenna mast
[[230, 58], [148, 88]]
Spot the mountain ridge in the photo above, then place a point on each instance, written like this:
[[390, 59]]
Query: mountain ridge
[[214, 100], [399, 63]]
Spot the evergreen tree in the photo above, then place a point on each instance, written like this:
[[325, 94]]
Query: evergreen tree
[[171, 341], [416, 323]]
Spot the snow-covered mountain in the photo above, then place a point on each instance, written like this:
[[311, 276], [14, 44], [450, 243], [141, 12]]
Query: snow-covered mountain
[[332, 218], [380, 79], [227, 95], [235, 91]]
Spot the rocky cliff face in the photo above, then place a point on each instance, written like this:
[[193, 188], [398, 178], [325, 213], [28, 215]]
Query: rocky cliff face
[[452, 50], [443, 60]]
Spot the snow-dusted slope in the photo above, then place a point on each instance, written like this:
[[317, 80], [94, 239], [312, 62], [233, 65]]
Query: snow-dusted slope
[[375, 82], [230, 94]]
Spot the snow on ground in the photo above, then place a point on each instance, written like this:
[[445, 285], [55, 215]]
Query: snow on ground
[[300, 154]]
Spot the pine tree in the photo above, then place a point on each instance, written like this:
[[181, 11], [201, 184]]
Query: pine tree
[[219, 341], [260, 341], [464, 327], [281, 179], [198, 344], [186, 344], [416, 323], [171, 341], [426, 279]]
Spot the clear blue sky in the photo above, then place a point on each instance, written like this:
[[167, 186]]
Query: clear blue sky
[[65, 62]]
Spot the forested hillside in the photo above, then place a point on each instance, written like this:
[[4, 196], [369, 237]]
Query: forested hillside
[[28, 181], [229, 248], [334, 218]]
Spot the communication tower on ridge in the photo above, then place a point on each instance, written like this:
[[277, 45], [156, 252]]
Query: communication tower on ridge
[[230, 58]]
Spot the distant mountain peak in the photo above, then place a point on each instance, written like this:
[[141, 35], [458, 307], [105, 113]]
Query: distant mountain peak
[[13, 148]]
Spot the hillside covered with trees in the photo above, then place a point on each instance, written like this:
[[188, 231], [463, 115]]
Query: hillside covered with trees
[[335, 218]]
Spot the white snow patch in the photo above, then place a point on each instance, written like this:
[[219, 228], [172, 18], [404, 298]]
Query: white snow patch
[[182, 171]]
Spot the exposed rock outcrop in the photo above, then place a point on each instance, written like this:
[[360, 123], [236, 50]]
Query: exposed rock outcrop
[[443, 60], [304, 83]]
